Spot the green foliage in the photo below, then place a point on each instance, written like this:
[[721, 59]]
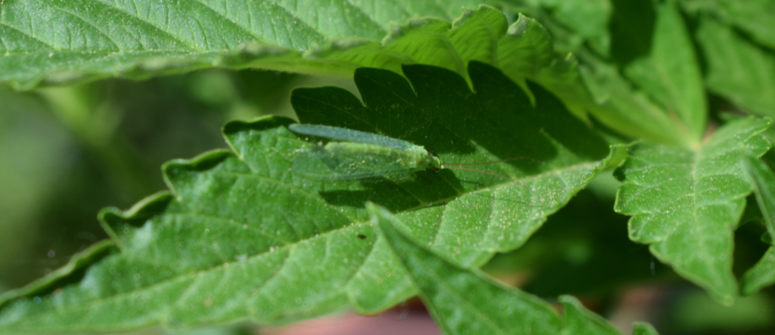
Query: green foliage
[[464, 301], [737, 69], [149, 38], [574, 89], [242, 222], [671, 74], [467, 302], [763, 180], [686, 203]]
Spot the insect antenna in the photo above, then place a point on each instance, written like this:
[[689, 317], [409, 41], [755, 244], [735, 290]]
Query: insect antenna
[[493, 162], [474, 170]]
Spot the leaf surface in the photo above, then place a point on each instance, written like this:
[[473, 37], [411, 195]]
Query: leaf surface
[[762, 274], [686, 203], [465, 301], [477, 219], [671, 74], [240, 236], [629, 111], [141, 39], [738, 70], [170, 37]]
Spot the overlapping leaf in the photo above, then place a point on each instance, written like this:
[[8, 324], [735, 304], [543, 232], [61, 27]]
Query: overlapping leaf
[[671, 74], [240, 236], [622, 31], [443, 115], [174, 37], [686, 203], [663, 101], [467, 302], [738, 70], [149, 38], [58, 42], [763, 180], [754, 17], [629, 111]]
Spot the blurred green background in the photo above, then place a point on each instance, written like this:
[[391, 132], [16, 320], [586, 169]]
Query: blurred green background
[[67, 152]]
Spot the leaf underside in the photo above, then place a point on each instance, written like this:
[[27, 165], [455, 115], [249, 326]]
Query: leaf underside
[[141, 39], [170, 37]]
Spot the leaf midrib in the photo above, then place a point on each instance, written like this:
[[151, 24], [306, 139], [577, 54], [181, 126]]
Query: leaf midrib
[[279, 248]]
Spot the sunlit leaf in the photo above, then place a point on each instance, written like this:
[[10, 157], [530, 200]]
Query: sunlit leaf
[[671, 73], [239, 235], [686, 202], [464, 301]]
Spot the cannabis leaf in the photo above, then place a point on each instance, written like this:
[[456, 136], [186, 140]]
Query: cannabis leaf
[[144, 39], [686, 202], [763, 180], [738, 70], [239, 235], [468, 302], [141, 39], [671, 74]]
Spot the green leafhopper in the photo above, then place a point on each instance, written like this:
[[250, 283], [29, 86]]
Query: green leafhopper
[[355, 156]]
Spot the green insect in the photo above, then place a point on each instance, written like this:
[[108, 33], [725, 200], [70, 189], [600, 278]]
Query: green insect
[[358, 156]]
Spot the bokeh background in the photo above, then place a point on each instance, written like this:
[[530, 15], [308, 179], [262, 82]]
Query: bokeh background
[[67, 152]]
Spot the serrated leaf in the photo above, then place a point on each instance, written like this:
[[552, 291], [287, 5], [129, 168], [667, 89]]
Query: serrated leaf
[[763, 180], [580, 241], [171, 37], [686, 203], [174, 37], [528, 53], [738, 70], [69, 273], [629, 111], [466, 227], [615, 103], [145, 38], [465, 301], [671, 73], [240, 236], [278, 37]]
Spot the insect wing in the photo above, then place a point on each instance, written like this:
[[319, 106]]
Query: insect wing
[[319, 164], [342, 134]]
